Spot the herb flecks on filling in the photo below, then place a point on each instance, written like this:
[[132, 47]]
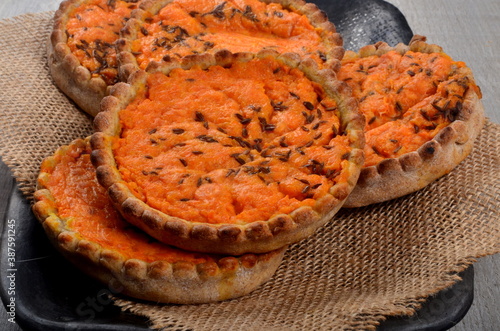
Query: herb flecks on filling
[[186, 27], [406, 99], [92, 30], [87, 210], [230, 145]]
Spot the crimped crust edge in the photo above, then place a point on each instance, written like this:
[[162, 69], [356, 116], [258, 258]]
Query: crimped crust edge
[[396, 177], [66, 70], [318, 18], [233, 239], [159, 281]]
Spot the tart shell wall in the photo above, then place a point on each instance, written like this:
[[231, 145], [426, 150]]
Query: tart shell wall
[[396, 177], [178, 282], [66, 70], [255, 237], [87, 90], [326, 31]]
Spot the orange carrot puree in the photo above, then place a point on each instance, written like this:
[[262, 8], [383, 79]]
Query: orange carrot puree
[[92, 28], [231, 145], [85, 206], [185, 27], [406, 99]]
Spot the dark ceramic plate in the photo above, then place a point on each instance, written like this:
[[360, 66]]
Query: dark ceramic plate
[[365, 22], [50, 294]]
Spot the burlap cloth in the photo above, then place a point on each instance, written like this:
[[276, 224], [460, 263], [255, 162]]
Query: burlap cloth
[[365, 264]]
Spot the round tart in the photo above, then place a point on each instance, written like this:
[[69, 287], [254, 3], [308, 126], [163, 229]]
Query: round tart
[[81, 51], [229, 153], [164, 28], [423, 113], [80, 221]]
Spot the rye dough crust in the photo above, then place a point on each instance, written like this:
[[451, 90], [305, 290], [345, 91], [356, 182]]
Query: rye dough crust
[[330, 38], [396, 177], [233, 239], [68, 74], [77, 82], [181, 282]]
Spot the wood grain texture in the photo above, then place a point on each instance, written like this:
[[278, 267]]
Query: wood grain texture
[[467, 30], [10, 8]]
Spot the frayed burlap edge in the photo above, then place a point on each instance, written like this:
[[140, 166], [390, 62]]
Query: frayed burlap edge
[[366, 264]]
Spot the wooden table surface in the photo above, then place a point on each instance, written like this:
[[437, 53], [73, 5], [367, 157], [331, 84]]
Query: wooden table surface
[[467, 30]]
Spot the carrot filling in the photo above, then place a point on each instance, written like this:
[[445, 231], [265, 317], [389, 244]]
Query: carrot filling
[[85, 206], [406, 99], [185, 27], [92, 29], [231, 145]]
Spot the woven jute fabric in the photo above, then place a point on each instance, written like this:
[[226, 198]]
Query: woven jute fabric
[[367, 263]]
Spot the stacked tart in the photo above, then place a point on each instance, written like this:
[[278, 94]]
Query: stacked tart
[[163, 29], [229, 153], [80, 221], [96, 43], [423, 113]]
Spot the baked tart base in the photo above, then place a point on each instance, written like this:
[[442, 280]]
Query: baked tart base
[[92, 43], [79, 220], [421, 119], [279, 164]]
